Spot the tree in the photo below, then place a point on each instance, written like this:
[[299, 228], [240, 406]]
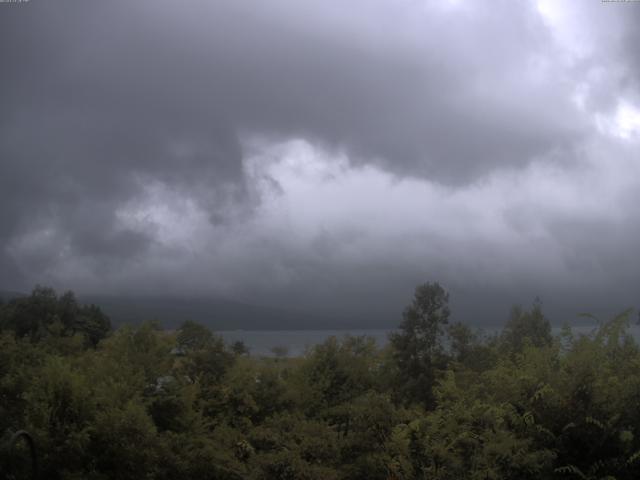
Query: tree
[[280, 351], [30, 316], [469, 348], [194, 336], [43, 314], [68, 311], [240, 348], [461, 341], [337, 371], [526, 327], [93, 323], [417, 347]]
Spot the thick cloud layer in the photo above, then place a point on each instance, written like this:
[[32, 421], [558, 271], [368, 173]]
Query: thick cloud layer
[[322, 154]]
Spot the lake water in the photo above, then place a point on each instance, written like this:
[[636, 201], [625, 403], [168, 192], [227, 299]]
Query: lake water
[[260, 342]]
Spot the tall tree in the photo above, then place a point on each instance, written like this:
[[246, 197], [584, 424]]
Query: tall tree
[[526, 327], [93, 323], [417, 347]]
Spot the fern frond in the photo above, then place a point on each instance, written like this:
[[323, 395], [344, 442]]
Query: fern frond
[[572, 470]]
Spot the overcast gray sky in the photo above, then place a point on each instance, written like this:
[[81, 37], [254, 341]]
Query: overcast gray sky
[[324, 154]]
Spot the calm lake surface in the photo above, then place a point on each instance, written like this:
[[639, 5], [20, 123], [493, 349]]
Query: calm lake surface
[[260, 342]]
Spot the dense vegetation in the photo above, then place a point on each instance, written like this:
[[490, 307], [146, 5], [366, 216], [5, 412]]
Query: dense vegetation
[[439, 402]]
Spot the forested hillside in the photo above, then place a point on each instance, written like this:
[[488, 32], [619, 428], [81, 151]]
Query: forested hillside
[[439, 402]]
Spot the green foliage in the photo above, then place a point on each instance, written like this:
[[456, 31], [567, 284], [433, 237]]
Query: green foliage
[[193, 336], [337, 371], [417, 347], [440, 402], [526, 327], [43, 315], [239, 348]]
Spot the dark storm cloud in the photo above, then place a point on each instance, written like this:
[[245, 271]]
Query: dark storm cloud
[[108, 107], [89, 117], [419, 88]]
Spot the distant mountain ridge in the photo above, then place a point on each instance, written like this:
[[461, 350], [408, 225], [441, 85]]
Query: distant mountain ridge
[[224, 314], [216, 313], [6, 295]]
